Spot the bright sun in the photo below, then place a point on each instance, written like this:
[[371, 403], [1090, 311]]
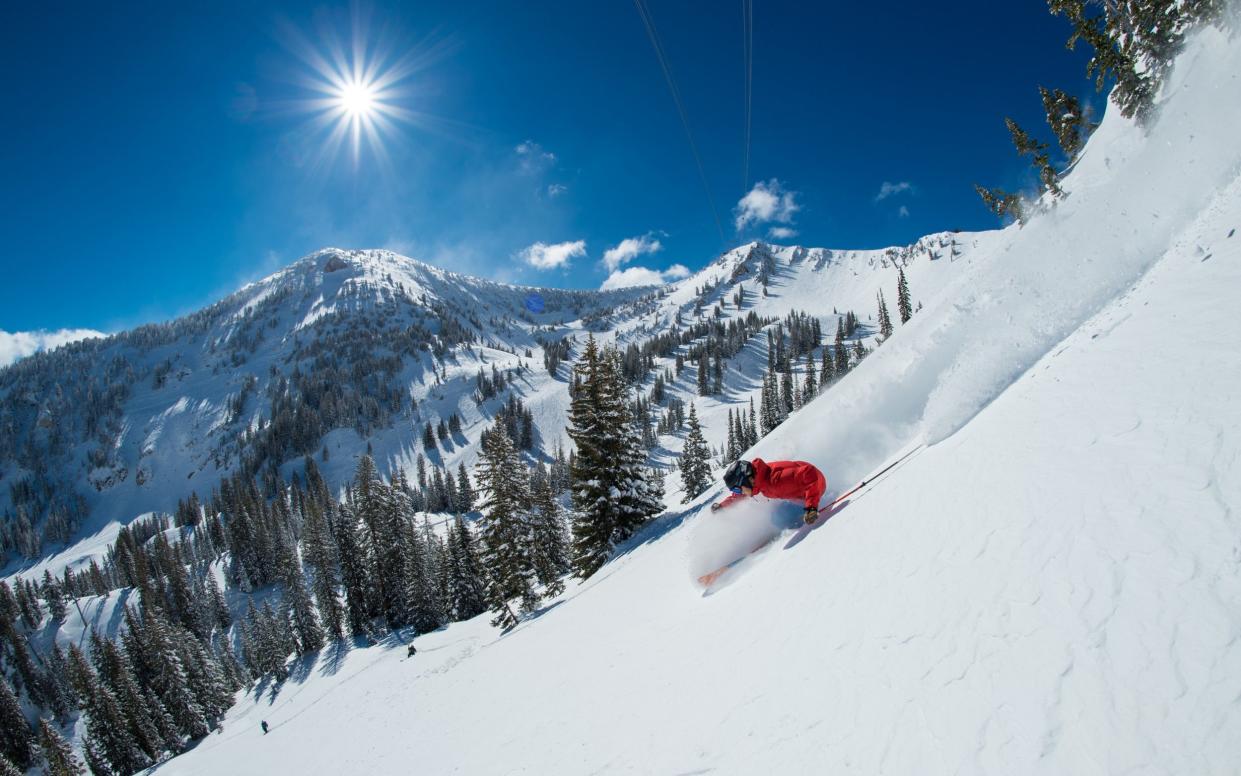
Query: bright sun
[[358, 90], [357, 99]]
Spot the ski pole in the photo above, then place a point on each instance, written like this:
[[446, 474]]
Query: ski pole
[[866, 482]]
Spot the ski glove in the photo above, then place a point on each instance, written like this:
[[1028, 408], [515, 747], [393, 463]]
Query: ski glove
[[715, 507], [810, 516]]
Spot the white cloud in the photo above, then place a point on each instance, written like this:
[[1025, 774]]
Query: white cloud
[[889, 189], [533, 158], [629, 249], [544, 256], [642, 276], [20, 344], [903, 212], [766, 202], [556, 189], [781, 233]]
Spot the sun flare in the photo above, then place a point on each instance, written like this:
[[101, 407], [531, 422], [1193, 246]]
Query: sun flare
[[359, 88], [357, 99]]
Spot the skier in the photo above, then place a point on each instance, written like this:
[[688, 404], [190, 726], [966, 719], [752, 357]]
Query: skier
[[411, 651], [790, 480], [264, 724]]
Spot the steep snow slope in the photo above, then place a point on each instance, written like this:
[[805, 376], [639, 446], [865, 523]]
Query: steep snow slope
[[1053, 585]]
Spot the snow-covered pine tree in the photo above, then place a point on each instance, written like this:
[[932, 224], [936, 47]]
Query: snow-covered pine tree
[[466, 594], [16, 738], [505, 527], [114, 669], [1067, 120], [1003, 204], [58, 756], [885, 320], [730, 446], [153, 641], [752, 431], [375, 504], [354, 569], [810, 388], [422, 600], [318, 549], [611, 494], [787, 403], [107, 744], [550, 544], [637, 499], [695, 460], [1026, 144], [299, 607], [465, 493], [769, 403], [903, 303]]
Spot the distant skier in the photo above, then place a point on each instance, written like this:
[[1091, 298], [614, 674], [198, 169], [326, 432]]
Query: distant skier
[[264, 724], [789, 480], [411, 651]]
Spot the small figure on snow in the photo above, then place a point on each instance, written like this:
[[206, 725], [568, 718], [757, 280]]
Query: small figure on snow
[[411, 651], [264, 724], [790, 480]]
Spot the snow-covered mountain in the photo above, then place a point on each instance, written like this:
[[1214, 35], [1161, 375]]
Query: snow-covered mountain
[[1049, 583], [349, 350]]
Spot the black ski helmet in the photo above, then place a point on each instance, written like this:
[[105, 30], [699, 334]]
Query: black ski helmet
[[739, 473]]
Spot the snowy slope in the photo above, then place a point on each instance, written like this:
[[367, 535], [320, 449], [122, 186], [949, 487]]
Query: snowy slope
[[1051, 585]]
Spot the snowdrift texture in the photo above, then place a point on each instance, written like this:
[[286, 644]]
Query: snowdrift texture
[[1052, 586]]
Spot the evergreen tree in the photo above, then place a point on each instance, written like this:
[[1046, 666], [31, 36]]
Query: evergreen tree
[[695, 460], [116, 671], [422, 600], [465, 579], [151, 645], [1002, 203], [465, 493], [354, 572], [611, 495], [904, 305], [107, 744], [16, 738], [703, 389], [549, 543], [505, 527], [1026, 145], [298, 603], [319, 551], [379, 514], [58, 756], [787, 402], [753, 427], [885, 320], [730, 446], [827, 373], [810, 388], [1067, 120]]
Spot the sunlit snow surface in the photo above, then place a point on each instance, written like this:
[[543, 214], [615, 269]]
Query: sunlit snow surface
[[1052, 586]]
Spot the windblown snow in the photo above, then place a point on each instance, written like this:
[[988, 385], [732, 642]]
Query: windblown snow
[[1050, 583]]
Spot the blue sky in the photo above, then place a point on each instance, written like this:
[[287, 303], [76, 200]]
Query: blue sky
[[155, 158]]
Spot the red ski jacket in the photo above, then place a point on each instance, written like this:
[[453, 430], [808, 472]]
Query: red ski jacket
[[791, 480]]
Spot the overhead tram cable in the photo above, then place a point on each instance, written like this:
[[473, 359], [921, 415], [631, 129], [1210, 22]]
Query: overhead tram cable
[[651, 32]]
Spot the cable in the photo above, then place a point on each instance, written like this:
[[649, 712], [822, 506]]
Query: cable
[[653, 34]]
